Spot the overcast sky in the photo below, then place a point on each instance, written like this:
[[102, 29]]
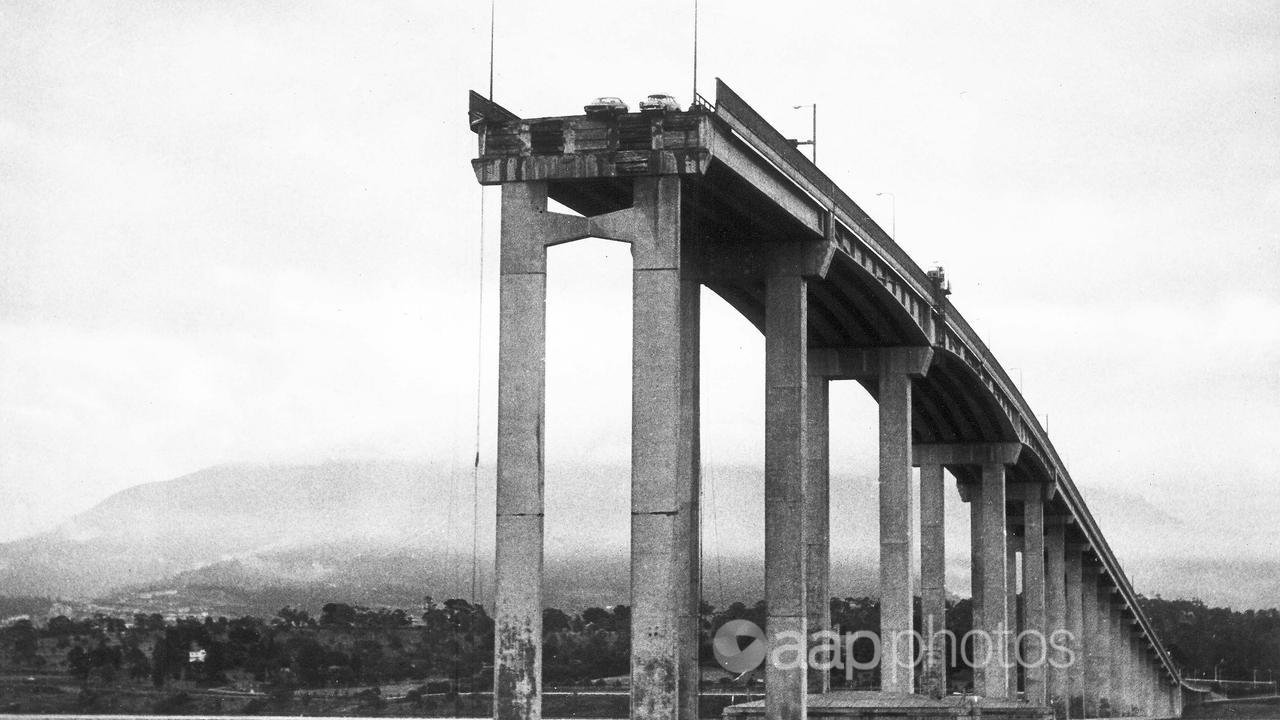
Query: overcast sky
[[250, 232]]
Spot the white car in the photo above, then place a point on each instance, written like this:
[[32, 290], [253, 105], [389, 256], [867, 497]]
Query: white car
[[606, 106], [659, 103]]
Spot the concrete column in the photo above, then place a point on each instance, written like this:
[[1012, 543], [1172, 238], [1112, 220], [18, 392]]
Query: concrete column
[[664, 462], [689, 529], [933, 590], [1152, 678], [1011, 639], [896, 597], [1102, 648], [1035, 653], [817, 499], [786, 425], [1074, 606], [976, 583], [1056, 669], [995, 588], [1157, 700], [517, 665], [1137, 680], [1118, 674], [1093, 676]]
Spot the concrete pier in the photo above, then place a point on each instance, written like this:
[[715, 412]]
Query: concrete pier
[[786, 427], [1091, 639], [988, 549], [1034, 650], [521, 381], [976, 583], [1055, 591], [896, 596], [817, 503], [995, 587], [1117, 674], [664, 460], [933, 590], [1012, 548]]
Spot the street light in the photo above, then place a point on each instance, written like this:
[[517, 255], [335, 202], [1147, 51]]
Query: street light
[[812, 142], [893, 226]]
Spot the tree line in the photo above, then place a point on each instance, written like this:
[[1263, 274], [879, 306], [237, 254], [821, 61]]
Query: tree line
[[449, 645]]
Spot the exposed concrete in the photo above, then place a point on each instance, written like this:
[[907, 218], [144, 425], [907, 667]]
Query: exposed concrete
[[1012, 546], [993, 457], [786, 425], [933, 591], [1075, 625], [1157, 689], [978, 453], [1033, 597], [1137, 679], [1118, 674], [521, 382], [817, 502], [1093, 658], [896, 596], [976, 584], [995, 598], [664, 457], [1101, 645], [1055, 571]]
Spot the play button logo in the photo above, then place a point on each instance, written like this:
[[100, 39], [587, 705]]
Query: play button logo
[[739, 646]]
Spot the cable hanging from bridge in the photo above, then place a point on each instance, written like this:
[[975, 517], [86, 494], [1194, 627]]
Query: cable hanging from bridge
[[475, 466]]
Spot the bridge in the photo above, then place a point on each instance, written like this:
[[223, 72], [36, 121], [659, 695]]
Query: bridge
[[714, 196]]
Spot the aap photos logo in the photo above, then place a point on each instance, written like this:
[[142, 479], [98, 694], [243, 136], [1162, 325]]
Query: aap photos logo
[[739, 646]]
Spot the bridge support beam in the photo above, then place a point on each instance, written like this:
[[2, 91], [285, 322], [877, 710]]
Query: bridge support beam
[[1075, 594], [1034, 650], [786, 428], [664, 505], [1119, 672], [817, 501], [521, 380], [664, 457], [893, 368], [989, 540], [1094, 679], [1153, 671], [897, 367], [1012, 547], [1138, 681], [1055, 571], [976, 584], [933, 573], [1100, 649], [995, 577]]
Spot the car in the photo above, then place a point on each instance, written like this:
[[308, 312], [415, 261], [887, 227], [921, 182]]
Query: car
[[606, 106], [659, 103]]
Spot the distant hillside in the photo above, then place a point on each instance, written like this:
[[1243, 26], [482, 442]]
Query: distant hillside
[[259, 537]]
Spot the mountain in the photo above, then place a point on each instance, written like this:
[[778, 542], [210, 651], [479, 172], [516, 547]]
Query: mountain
[[253, 538]]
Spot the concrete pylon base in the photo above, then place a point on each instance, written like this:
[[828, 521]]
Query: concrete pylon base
[[875, 705]]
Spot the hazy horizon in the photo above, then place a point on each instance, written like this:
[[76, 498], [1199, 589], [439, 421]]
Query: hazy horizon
[[250, 233]]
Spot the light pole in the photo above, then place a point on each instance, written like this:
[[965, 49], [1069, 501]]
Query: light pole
[[893, 218], [812, 142]]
